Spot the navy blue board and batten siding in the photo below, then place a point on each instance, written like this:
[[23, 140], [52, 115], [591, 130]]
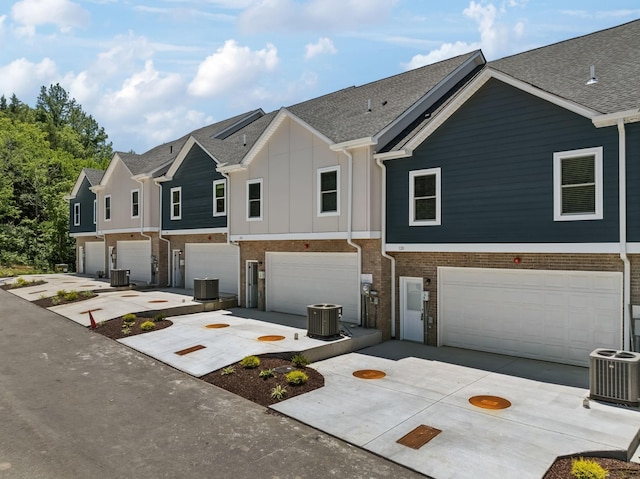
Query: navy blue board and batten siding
[[85, 197], [195, 176], [633, 181], [496, 158]]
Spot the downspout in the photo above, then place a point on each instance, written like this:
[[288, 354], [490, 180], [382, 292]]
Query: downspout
[[162, 238], [350, 226], [622, 191], [142, 233], [383, 244], [227, 189]]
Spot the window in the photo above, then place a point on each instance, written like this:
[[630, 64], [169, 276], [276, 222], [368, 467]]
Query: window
[[424, 197], [577, 185], [219, 198], [107, 208], [328, 191], [76, 214], [95, 211], [176, 203], [135, 203], [254, 200]]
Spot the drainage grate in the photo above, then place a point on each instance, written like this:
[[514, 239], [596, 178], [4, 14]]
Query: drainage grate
[[216, 326], [369, 374], [38, 292], [271, 337], [419, 436], [490, 402], [190, 350]]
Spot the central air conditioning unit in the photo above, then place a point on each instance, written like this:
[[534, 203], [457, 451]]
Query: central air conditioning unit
[[614, 376], [323, 320], [120, 277], [205, 289]]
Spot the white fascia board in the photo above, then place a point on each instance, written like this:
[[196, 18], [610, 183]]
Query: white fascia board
[[515, 248], [80, 235], [76, 186], [195, 231], [628, 116], [468, 91], [359, 143], [306, 236], [392, 155], [181, 156], [146, 229], [97, 188], [141, 177], [230, 168], [112, 165], [68, 197]]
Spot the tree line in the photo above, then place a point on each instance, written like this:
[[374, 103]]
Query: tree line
[[42, 151]]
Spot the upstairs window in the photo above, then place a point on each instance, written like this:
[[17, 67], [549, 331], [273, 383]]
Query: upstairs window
[[107, 208], [328, 191], [577, 177], [219, 198], [76, 214], [254, 200], [424, 197], [176, 203], [135, 203]]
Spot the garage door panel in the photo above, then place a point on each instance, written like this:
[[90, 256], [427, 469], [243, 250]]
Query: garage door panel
[[136, 257], [94, 257], [206, 260], [552, 315]]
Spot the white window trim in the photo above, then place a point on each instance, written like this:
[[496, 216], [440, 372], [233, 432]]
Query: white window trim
[[412, 174], [132, 192], [319, 191], [251, 182], [596, 152], [105, 207], [95, 212], [179, 215], [215, 204], [76, 214]]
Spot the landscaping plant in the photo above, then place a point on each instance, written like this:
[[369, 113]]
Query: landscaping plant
[[300, 361], [296, 377], [588, 469], [279, 392], [250, 362]]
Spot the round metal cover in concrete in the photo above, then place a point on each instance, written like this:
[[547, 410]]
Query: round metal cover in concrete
[[490, 402], [271, 337], [369, 374], [217, 326]]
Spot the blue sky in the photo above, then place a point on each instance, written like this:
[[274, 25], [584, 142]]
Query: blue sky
[[150, 71]]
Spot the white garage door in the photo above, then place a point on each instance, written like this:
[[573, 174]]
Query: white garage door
[[558, 316], [295, 280], [135, 256], [94, 257], [220, 261]]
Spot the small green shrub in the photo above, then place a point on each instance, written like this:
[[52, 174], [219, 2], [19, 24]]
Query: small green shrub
[[228, 370], [129, 318], [267, 373], [279, 392], [588, 469], [126, 330], [296, 378], [87, 294], [71, 296], [61, 293], [147, 325], [20, 282], [250, 362], [300, 361], [159, 317]]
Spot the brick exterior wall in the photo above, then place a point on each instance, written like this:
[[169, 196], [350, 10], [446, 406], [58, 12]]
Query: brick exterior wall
[[178, 242], [425, 265]]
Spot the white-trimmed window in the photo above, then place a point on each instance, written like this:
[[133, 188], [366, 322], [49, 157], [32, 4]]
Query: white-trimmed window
[[95, 211], [176, 203], [424, 197], [577, 185], [219, 197], [135, 203], [254, 200], [76, 214], [329, 191], [107, 208]]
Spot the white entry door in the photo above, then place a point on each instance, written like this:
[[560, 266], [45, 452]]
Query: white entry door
[[411, 309]]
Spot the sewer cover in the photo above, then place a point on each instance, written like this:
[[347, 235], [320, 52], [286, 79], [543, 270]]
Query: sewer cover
[[490, 402], [271, 337], [369, 374], [419, 436], [216, 326], [190, 350]]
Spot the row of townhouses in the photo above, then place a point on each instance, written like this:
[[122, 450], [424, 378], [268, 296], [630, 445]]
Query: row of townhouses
[[488, 205]]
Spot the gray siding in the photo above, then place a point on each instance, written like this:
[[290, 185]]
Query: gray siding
[[496, 156], [633, 181], [196, 176], [85, 197]]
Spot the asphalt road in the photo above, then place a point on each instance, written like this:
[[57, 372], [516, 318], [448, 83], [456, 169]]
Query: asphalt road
[[74, 404]]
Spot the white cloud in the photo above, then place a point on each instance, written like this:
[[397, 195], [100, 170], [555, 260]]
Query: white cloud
[[168, 124], [266, 15], [324, 45], [232, 67], [447, 50], [64, 14], [24, 78]]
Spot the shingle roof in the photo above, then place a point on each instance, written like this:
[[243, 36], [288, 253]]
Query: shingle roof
[[564, 68], [93, 175]]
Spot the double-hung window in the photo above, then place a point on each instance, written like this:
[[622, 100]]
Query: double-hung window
[[254, 200], [135, 203], [329, 191], [219, 198], [76, 214], [577, 185], [176, 203], [107, 208], [424, 197]]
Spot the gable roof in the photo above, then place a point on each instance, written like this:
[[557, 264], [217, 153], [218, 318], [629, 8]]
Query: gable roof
[[92, 175]]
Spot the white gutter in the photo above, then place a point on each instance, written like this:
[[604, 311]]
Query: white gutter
[[140, 179], [383, 244], [158, 182], [622, 200], [349, 229], [227, 205]]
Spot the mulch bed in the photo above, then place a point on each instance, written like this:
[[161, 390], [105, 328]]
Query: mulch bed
[[57, 301], [561, 468], [113, 328], [248, 384], [18, 286]]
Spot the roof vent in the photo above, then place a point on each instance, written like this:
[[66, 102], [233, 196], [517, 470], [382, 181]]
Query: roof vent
[[369, 105], [592, 73], [244, 140], [171, 149]]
